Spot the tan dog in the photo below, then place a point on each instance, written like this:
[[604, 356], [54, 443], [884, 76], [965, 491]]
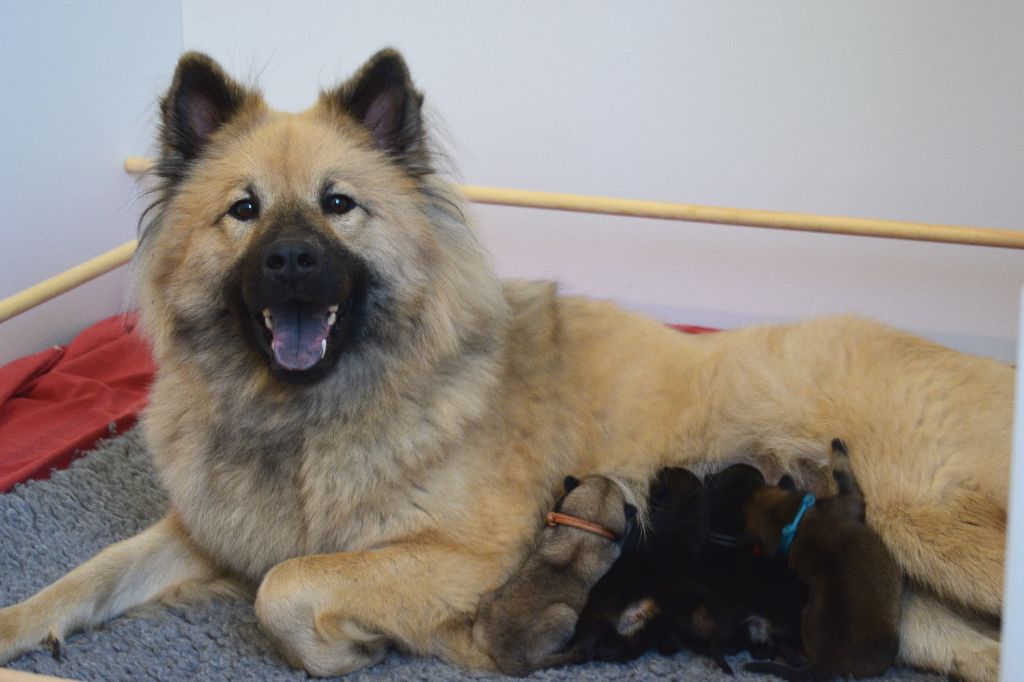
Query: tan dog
[[354, 415], [526, 625]]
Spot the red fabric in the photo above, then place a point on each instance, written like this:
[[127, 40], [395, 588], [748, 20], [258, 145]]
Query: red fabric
[[691, 329], [61, 401]]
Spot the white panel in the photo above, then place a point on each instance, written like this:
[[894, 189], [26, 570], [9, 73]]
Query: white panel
[[79, 83], [1012, 650]]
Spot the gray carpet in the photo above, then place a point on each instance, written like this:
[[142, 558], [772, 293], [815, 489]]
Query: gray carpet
[[48, 527]]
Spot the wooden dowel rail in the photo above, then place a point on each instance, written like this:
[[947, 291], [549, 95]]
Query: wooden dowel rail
[[778, 220], [695, 213], [66, 281]]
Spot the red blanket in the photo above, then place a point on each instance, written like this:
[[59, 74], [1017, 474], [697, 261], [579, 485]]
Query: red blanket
[[58, 403]]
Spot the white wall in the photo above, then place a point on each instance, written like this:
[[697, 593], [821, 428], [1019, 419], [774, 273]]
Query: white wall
[[898, 110], [78, 85], [904, 110]]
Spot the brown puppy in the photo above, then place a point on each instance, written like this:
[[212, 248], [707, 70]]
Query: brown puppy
[[527, 623], [341, 375], [850, 626]]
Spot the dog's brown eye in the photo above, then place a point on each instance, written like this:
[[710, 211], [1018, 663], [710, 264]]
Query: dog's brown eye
[[246, 209], [337, 204]]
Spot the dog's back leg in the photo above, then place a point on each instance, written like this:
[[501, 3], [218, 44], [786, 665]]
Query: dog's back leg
[[954, 545], [129, 573], [935, 637]]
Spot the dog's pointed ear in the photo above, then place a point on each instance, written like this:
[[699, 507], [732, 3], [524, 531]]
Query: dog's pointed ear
[[201, 99], [382, 97], [570, 482]]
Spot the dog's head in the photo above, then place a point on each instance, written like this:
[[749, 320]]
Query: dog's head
[[288, 243]]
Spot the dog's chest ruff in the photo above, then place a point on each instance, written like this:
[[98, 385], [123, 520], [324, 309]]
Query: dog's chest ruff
[[249, 520], [328, 487]]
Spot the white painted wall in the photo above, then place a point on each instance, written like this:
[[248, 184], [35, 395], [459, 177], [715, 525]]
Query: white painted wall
[[899, 110], [78, 85], [907, 110]]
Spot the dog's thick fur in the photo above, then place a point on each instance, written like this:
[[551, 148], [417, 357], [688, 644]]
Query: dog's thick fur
[[376, 497], [526, 624]]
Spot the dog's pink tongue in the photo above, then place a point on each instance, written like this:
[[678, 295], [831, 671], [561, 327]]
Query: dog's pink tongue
[[299, 333]]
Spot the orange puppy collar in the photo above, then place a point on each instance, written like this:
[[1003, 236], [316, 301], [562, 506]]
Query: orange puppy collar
[[559, 519]]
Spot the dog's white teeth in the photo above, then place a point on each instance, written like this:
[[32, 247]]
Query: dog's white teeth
[[332, 308], [332, 318], [267, 319], [323, 349]]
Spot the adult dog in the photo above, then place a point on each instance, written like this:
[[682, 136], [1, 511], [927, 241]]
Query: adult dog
[[352, 413]]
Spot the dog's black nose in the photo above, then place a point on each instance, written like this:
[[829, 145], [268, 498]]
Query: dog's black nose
[[290, 261]]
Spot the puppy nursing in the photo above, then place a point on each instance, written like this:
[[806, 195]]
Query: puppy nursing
[[526, 625], [725, 566]]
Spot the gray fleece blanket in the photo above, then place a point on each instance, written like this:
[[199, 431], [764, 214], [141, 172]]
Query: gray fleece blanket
[[49, 527]]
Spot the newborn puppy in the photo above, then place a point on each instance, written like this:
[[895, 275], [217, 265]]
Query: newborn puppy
[[527, 624], [850, 624], [644, 601], [759, 600]]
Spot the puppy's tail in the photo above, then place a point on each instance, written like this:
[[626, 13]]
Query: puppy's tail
[[847, 489]]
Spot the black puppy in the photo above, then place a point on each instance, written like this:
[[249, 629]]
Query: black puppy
[[646, 601], [758, 598]]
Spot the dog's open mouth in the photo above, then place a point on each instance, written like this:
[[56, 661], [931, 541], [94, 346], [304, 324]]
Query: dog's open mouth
[[299, 334]]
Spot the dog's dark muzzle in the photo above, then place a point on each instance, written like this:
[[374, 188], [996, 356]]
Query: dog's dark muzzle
[[299, 293], [291, 262]]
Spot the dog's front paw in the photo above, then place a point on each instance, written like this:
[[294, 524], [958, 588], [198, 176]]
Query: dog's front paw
[[308, 633], [22, 631]]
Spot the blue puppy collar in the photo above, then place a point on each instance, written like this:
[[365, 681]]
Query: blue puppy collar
[[789, 530]]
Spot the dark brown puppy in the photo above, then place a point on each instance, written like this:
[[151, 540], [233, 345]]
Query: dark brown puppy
[[527, 624], [851, 623]]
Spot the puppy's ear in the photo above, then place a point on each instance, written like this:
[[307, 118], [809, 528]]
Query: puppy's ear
[[382, 97], [787, 483], [570, 483], [201, 99]]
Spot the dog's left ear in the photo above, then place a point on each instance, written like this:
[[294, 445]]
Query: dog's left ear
[[382, 97]]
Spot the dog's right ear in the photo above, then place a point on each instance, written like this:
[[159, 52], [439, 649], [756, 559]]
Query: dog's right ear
[[201, 99], [570, 483]]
